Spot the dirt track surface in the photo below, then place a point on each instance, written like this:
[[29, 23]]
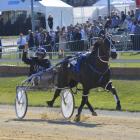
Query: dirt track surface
[[48, 124]]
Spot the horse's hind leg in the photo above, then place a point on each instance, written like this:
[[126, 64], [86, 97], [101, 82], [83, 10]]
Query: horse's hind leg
[[83, 102], [56, 94], [113, 91], [91, 108]]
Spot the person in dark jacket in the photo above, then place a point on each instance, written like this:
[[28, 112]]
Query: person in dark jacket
[[31, 41], [78, 44], [37, 63], [0, 49], [50, 22]]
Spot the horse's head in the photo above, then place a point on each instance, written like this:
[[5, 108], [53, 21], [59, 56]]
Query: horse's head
[[104, 49]]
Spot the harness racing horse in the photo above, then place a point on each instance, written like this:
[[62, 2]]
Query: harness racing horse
[[94, 71]]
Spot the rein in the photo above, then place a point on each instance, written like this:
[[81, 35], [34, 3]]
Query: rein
[[111, 44], [101, 58]]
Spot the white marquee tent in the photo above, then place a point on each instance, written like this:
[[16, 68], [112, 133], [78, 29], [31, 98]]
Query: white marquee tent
[[82, 14], [112, 2], [115, 5], [61, 12]]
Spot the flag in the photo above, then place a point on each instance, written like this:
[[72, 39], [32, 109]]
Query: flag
[[138, 3]]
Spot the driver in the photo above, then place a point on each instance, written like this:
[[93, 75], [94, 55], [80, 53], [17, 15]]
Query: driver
[[37, 63]]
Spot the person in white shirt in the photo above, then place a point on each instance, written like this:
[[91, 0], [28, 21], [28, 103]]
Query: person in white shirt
[[21, 42], [133, 27], [129, 25]]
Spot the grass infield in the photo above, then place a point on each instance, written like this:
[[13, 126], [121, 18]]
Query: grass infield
[[128, 91], [123, 55]]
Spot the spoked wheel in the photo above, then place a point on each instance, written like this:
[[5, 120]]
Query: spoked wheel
[[67, 103], [21, 102]]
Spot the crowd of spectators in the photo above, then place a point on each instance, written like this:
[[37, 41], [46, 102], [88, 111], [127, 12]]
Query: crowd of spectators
[[75, 37], [81, 34]]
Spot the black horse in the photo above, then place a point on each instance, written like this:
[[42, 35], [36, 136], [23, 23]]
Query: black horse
[[93, 72]]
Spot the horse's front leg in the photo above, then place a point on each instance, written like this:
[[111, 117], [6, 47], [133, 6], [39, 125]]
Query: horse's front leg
[[83, 102], [114, 92]]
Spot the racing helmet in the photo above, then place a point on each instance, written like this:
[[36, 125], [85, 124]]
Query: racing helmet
[[41, 52]]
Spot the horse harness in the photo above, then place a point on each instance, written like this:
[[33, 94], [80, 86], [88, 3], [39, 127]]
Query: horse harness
[[102, 74]]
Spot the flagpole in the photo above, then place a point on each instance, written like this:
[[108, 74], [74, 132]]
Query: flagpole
[[32, 15], [108, 5]]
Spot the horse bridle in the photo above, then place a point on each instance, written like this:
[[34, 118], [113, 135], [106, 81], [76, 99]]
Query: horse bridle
[[112, 46], [100, 57]]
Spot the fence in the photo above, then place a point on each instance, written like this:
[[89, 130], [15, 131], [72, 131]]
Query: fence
[[12, 56], [129, 42], [124, 43]]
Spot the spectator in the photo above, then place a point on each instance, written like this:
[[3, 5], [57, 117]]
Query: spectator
[[136, 36], [123, 16], [0, 49], [115, 21], [48, 45], [57, 34], [37, 39], [78, 44], [138, 17], [128, 16], [50, 22], [132, 14], [21, 42], [129, 25], [108, 24], [52, 35], [133, 27], [77, 35], [27, 37], [62, 40], [43, 39], [100, 20], [137, 29], [31, 41], [70, 33]]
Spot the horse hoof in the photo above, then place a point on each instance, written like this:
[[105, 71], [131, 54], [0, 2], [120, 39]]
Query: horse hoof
[[49, 103], [94, 114], [118, 107], [77, 118]]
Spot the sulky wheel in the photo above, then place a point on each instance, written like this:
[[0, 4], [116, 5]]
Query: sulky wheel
[[21, 102], [67, 103]]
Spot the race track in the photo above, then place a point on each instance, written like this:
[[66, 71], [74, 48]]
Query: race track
[[48, 124]]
